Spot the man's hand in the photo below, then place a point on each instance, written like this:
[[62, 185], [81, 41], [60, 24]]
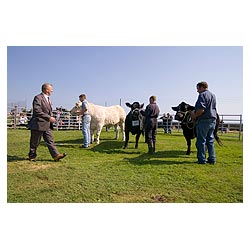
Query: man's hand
[[196, 114], [52, 119]]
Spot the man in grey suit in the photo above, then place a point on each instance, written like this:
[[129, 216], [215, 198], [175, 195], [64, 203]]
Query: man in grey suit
[[41, 124]]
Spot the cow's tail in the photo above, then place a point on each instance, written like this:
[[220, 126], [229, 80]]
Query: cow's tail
[[217, 138]]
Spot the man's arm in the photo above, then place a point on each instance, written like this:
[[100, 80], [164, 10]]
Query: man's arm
[[196, 114], [83, 109]]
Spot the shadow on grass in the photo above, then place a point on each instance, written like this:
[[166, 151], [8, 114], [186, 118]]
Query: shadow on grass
[[109, 143], [11, 158], [113, 147], [107, 146], [68, 143], [159, 158]]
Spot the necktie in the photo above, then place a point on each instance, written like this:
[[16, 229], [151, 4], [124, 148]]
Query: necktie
[[49, 102]]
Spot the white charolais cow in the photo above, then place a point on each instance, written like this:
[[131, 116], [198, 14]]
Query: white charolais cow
[[103, 116]]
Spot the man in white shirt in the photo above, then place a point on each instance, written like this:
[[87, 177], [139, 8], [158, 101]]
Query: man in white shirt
[[86, 118]]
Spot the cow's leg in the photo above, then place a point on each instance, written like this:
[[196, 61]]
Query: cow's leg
[[92, 136], [116, 132], [188, 146], [122, 130], [126, 139], [137, 139], [98, 133]]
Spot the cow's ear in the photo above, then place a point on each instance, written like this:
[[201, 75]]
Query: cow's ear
[[141, 106], [128, 104], [175, 108]]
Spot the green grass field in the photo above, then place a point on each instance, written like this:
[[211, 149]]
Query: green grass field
[[108, 173]]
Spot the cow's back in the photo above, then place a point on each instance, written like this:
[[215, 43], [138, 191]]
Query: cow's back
[[114, 115], [109, 116]]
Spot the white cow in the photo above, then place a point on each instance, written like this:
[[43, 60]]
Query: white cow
[[103, 116]]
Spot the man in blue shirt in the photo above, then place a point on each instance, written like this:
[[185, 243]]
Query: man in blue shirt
[[205, 114]]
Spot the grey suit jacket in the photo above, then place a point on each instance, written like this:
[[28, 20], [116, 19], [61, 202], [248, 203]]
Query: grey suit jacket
[[42, 111]]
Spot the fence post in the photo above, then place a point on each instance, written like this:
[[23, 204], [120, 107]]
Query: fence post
[[178, 126], [221, 122]]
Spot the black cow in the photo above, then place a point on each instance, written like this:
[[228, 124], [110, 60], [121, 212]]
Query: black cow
[[188, 124], [133, 123]]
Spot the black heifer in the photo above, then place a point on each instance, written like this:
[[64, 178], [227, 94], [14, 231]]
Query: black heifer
[[188, 124], [133, 123]]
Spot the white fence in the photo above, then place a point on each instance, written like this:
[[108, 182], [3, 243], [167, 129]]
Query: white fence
[[230, 124], [19, 118]]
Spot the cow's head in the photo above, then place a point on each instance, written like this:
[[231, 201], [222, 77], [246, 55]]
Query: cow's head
[[135, 105], [135, 109], [181, 110], [76, 109]]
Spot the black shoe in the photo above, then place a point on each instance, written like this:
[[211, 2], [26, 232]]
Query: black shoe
[[211, 162], [150, 148]]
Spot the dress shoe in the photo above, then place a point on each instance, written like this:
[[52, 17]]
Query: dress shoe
[[59, 156]]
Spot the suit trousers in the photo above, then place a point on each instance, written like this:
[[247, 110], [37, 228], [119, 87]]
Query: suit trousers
[[35, 139]]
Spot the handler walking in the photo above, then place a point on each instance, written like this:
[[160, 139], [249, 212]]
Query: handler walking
[[41, 124], [151, 113], [206, 115]]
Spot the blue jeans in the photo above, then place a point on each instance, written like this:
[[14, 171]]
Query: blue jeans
[[205, 138], [86, 130]]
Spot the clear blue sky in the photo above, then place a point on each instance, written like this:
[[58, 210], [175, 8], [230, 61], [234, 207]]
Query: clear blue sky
[[108, 74]]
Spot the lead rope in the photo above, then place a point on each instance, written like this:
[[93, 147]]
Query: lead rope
[[190, 122]]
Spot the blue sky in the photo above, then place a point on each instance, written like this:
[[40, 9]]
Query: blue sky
[[108, 74]]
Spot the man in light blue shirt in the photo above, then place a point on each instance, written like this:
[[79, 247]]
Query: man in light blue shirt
[[205, 113]]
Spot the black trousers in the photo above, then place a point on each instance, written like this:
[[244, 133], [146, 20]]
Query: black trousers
[[35, 139], [150, 130]]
